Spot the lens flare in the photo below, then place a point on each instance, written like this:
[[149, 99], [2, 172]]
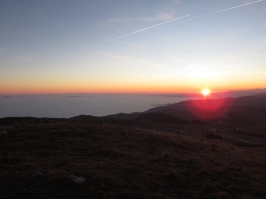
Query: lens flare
[[209, 108]]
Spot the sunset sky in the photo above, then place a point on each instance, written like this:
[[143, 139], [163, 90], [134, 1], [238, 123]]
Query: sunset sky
[[126, 46]]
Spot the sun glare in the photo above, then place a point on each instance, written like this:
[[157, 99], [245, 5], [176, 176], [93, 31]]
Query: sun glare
[[205, 92]]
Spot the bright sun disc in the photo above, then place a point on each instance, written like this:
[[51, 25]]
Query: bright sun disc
[[205, 92]]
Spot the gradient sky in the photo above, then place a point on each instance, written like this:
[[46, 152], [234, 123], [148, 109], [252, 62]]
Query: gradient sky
[[86, 46]]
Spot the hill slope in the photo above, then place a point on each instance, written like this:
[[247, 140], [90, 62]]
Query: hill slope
[[124, 160], [223, 113]]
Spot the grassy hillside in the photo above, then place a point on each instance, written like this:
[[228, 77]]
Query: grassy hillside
[[125, 160]]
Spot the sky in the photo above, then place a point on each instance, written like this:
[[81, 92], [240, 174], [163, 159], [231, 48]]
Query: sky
[[125, 46]]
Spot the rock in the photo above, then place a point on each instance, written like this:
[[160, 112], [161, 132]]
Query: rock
[[38, 174], [3, 133], [78, 180]]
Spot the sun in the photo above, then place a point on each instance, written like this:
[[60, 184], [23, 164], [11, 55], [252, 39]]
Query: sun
[[205, 92]]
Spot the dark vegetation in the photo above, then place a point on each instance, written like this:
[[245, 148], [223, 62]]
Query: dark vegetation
[[151, 155]]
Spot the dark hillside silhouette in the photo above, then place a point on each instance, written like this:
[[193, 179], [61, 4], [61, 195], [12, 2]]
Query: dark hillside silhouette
[[220, 113]]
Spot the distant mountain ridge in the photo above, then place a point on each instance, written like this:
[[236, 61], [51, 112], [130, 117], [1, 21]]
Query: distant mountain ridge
[[238, 112]]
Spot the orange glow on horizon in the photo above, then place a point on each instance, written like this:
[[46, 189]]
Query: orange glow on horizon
[[55, 87], [97, 88]]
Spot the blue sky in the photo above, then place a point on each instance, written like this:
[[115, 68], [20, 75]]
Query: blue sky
[[70, 46]]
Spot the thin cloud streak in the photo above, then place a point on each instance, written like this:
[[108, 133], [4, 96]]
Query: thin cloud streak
[[212, 13], [147, 28]]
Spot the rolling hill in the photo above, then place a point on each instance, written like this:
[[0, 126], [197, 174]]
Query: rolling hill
[[220, 113]]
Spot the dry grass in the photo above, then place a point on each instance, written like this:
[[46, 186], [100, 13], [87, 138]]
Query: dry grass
[[120, 161]]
